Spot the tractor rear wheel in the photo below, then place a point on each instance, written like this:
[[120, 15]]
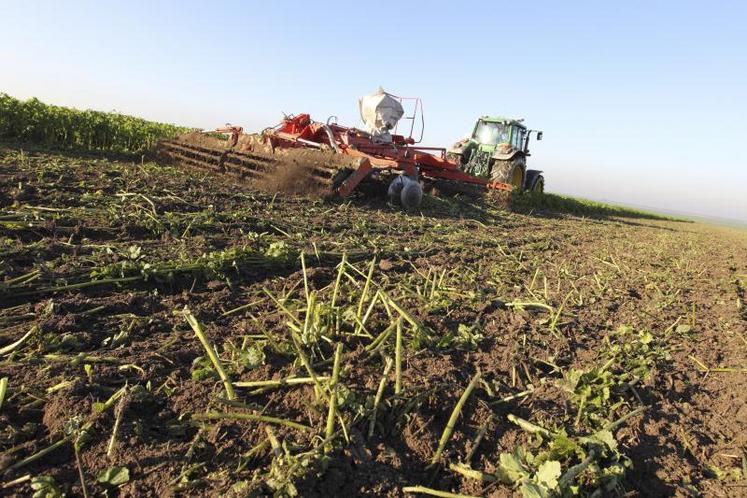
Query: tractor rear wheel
[[454, 158], [534, 181], [539, 185], [510, 171]]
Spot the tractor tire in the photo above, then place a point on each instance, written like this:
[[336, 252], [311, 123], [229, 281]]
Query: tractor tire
[[539, 185], [534, 181], [511, 171], [454, 158]]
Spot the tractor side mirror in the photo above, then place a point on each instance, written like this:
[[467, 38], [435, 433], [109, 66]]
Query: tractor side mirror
[[539, 135]]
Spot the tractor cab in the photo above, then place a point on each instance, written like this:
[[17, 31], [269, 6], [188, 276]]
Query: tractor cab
[[506, 134]]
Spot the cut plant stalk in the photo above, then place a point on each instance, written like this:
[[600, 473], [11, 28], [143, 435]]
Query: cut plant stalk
[[471, 473], [528, 426], [277, 450], [256, 451], [318, 390], [520, 304], [364, 294], [377, 399], [398, 359], [101, 407], [556, 317], [20, 342], [433, 492], [16, 482], [305, 277], [197, 328], [119, 411], [567, 478], [399, 309], [332, 410], [3, 390], [340, 271], [449, 429], [617, 423], [242, 307], [249, 416], [478, 439], [289, 381], [706, 369], [512, 397], [76, 449], [39, 454], [282, 307], [381, 338]]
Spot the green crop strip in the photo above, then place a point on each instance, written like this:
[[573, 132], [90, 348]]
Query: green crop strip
[[34, 121]]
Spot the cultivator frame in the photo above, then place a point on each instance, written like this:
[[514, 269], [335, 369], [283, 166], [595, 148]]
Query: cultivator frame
[[243, 165], [401, 154]]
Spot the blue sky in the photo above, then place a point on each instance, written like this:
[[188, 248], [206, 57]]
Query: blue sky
[[640, 102]]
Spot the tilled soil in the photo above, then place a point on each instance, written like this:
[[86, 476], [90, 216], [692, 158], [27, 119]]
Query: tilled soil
[[100, 259]]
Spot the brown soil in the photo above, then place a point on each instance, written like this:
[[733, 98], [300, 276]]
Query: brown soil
[[682, 282]]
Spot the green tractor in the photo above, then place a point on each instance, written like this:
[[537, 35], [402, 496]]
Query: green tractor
[[497, 150]]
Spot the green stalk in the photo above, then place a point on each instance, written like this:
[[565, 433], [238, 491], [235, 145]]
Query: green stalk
[[22, 279], [364, 294], [449, 429], [380, 339], [377, 399], [617, 423], [277, 450], [554, 323], [254, 452], [81, 285], [433, 492], [369, 309], [398, 359], [115, 429], [477, 441], [39, 454], [101, 407], [307, 364], [528, 426], [20, 342], [76, 449], [332, 411], [399, 309], [471, 473], [210, 352], [249, 416], [289, 381], [567, 478], [519, 304], [512, 397], [305, 278], [340, 271], [282, 306], [241, 308], [3, 389], [310, 313]]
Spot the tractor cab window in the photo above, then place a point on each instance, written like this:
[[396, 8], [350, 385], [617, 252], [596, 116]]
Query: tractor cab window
[[491, 133], [517, 139]]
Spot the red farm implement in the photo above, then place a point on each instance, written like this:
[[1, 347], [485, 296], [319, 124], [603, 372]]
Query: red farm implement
[[377, 153]]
